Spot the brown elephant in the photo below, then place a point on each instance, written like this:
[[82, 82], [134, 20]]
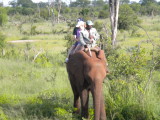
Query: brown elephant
[[86, 73]]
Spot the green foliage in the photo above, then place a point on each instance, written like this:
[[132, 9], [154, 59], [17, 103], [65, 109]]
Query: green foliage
[[128, 65], [98, 25], [69, 39], [135, 112], [3, 16], [66, 10], [25, 3], [2, 41], [124, 1], [33, 30], [151, 9], [127, 18], [81, 3], [44, 13], [2, 115], [103, 14], [156, 58], [28, 11], [136, 7], [43, 61], [62, 114], [84, 12], [145, 2]]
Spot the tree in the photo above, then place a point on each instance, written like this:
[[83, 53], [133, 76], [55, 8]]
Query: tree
[[114, 10], [127, 17], [98, 3], [135, 7], [59, 9], [2, 43], [124, 1], [151, 9], [103, 14], [1, 4], [13, 4], [80, 3], [145, 2], [3, 16], [25, 3]]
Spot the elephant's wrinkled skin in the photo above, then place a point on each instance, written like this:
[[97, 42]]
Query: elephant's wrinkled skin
[[87, 74]]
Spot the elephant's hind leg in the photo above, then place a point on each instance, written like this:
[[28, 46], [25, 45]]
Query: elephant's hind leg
[[76, 103], [84, 103], [76, 94]]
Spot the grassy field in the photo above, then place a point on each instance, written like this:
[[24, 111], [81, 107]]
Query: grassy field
[[40, 90]]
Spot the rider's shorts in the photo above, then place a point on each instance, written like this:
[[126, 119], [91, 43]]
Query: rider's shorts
[[76, 43]]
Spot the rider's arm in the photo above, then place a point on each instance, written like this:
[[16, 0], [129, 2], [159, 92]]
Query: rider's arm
[[75, 37], [81, 39], [96, 35]]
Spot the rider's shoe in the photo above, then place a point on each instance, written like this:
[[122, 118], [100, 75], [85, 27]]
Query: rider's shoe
[[66, 61]]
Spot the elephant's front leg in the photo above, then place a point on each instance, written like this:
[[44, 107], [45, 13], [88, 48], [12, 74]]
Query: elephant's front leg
[[84, 103]]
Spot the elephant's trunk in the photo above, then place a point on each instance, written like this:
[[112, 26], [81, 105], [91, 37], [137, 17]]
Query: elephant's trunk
[[97, 94]]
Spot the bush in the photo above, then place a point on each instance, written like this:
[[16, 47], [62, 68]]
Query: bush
[[2, 40], [127, 18], [3, 16], [136, 112], [43, 61], [44, 13], [2, 115], [33, 30], [103, 14], [69, 39]]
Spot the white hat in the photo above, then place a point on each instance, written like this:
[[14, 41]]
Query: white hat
[[89, 22], [80, 23]]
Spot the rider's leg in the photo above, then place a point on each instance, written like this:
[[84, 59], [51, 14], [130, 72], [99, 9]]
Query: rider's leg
[[78, 48], [70, 51]]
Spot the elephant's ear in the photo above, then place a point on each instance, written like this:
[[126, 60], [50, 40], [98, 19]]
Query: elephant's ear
[[101, 55], [84, 54]]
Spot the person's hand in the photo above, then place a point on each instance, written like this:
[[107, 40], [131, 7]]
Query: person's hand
[[85, 46], [75, 39], [91, 40], [91, 37]]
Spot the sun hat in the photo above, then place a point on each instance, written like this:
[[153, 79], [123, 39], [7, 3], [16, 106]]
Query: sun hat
[[89, 22], [80, 23], [79, 19]]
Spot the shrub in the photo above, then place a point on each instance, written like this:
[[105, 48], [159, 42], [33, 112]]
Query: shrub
[[2, 40], [69, 39], [33, 30], [3, 16], [43, 61], [103, 14], [135, 112], [2, 115], [127, 18]]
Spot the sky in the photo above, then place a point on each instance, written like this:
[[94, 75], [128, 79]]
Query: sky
[[5, 2]]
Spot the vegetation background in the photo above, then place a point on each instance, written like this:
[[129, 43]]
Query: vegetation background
[[35, 37]]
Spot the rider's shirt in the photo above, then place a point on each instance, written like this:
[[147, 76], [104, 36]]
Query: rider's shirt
[[85, 37]]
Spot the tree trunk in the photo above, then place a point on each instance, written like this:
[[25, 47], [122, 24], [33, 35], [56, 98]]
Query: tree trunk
[[59, 9], [3, 52], [114, 10], [39, 11]]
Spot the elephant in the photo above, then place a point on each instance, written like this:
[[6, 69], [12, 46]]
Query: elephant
[[86, 73]]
